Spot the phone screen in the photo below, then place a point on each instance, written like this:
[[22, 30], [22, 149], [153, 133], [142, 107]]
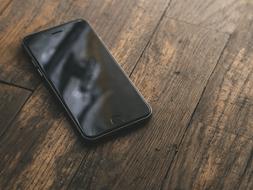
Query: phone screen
[[86, 77]]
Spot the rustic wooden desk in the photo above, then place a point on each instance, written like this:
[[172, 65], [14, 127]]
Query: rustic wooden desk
[[191, 59]]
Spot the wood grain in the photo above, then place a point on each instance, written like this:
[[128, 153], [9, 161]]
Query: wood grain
[[48, 159], [171, 74], [222, 15], [218, 149], [200, 135], [212, 159], [4, 5], [53, 153], [34, 142], [125, 26], [11, 101]]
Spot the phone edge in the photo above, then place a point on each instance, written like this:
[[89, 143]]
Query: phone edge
[[52, 88]]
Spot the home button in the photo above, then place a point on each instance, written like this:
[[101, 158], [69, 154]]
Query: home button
[[116, 120]]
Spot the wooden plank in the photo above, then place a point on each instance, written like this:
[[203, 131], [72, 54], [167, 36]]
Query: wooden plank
[[125, 26], [212, 159], [33, 145], [223, 15], [171, 74], [11, 101], [218, 149], [40, 148]]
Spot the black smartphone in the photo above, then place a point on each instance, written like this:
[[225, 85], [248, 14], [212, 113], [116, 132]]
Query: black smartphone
[[91, 86]]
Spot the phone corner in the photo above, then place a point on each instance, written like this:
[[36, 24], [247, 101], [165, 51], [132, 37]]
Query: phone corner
[[24, 41], [150, 110]]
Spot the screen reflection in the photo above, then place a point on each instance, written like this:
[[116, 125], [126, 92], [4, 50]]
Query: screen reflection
[[87, 78]]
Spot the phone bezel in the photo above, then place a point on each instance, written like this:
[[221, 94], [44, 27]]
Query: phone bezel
[[52, 87]]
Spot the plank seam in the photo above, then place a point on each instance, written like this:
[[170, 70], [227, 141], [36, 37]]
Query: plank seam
[[151, 37], [17, 86], [77, 170], [198, 25], [19, 111], [194, 111]]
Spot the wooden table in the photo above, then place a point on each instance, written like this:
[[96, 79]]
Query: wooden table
[[191, 59]]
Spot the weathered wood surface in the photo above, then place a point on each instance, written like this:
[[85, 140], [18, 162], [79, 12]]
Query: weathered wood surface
[[222, 15], [217, 150], [190, 57], [197, 79], [33, 144], [183, 56], [11, 100]]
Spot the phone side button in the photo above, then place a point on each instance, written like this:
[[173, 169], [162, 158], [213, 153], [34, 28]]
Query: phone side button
[[40, 73]]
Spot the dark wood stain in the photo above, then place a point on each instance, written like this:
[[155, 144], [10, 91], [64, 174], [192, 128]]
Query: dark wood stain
[[217, 150], [192, 61], [11, 100]]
